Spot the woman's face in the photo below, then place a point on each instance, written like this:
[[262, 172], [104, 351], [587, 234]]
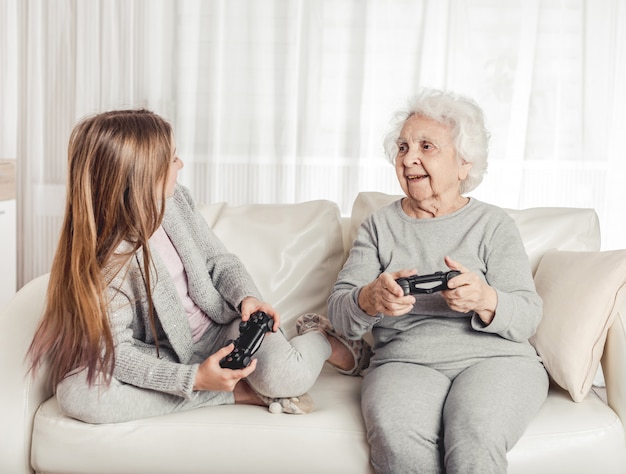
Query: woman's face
[[176, 165], [428, 169]]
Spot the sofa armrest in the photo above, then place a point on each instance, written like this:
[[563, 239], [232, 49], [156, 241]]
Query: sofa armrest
[[21, 394], [614, 359]]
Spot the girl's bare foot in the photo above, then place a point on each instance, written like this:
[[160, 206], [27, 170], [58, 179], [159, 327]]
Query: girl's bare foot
[[359, 351]]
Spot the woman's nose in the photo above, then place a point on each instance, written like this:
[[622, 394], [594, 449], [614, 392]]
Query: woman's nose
[[412, 157]]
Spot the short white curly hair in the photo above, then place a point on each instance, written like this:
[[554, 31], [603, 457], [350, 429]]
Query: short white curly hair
[[466, 121]]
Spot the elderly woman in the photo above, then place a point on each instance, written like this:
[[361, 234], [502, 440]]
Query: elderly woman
[[453, 381]]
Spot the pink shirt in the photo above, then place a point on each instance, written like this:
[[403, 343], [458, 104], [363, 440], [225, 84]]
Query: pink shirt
[[198, 321]]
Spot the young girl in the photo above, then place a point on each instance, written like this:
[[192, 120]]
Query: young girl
[[143, 296]]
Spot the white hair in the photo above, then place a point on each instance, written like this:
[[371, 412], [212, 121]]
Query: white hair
[[466, 122]]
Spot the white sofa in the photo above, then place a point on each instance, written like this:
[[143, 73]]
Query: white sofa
[[294, 252]]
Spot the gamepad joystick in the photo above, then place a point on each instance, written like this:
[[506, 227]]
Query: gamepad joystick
[[251, 334], [426, 284]]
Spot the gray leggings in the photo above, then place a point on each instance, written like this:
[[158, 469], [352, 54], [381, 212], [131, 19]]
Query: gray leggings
[[284, 368], [423, 420]]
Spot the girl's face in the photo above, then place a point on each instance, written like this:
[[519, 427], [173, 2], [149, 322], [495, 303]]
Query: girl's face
[[176, 165]]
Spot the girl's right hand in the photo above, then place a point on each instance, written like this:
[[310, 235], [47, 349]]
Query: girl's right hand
[[211, 376]]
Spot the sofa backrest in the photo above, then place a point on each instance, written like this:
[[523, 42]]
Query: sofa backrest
[[293, 251], [541, 228]]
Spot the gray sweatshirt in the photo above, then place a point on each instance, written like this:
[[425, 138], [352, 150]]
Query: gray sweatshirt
[[481, 237]]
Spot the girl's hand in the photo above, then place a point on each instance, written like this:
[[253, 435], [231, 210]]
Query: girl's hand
[[211, 376], [251, 305], [385, 296], [468, 292]]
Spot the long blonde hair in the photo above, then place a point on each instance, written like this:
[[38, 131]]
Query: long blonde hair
[[117, 167]]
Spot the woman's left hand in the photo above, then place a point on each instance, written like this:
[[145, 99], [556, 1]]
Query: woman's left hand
[[468, 293], [251, 305]]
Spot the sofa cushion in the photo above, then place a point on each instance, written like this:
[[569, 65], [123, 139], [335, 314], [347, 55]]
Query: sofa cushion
[[293, 251], [560, 437], [223, 439], [542, 229], [239, 439], [578, 291]]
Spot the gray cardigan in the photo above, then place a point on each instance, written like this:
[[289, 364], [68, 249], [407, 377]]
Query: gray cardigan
[[217, 282]]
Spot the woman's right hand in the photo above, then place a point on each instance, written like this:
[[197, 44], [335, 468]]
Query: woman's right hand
[[211, 376], [385, 296]]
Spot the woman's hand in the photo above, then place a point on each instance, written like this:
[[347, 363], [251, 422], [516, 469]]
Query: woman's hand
[[385, 296], [251, 305], [211, 376], [468, 293]]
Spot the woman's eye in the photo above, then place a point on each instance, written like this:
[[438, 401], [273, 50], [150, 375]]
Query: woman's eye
[[402, 148]]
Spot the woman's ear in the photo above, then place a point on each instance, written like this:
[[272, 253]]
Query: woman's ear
[[464, 169]]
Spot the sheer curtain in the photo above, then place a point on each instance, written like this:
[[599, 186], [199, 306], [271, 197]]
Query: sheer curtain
[[288, 100], [8, 79]]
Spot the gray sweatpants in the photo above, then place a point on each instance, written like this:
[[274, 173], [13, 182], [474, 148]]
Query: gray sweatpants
[[284, 368], [424, 420]]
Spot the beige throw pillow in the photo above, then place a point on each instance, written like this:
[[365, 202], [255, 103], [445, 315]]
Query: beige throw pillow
[[579, 292]]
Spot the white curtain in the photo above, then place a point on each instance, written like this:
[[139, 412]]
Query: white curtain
[[8, 79], [288, 100]]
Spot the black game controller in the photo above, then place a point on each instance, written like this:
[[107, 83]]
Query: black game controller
[[426, 284], [251, 333]]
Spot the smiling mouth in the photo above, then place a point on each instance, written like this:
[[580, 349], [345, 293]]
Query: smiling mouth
[[416, 177]]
